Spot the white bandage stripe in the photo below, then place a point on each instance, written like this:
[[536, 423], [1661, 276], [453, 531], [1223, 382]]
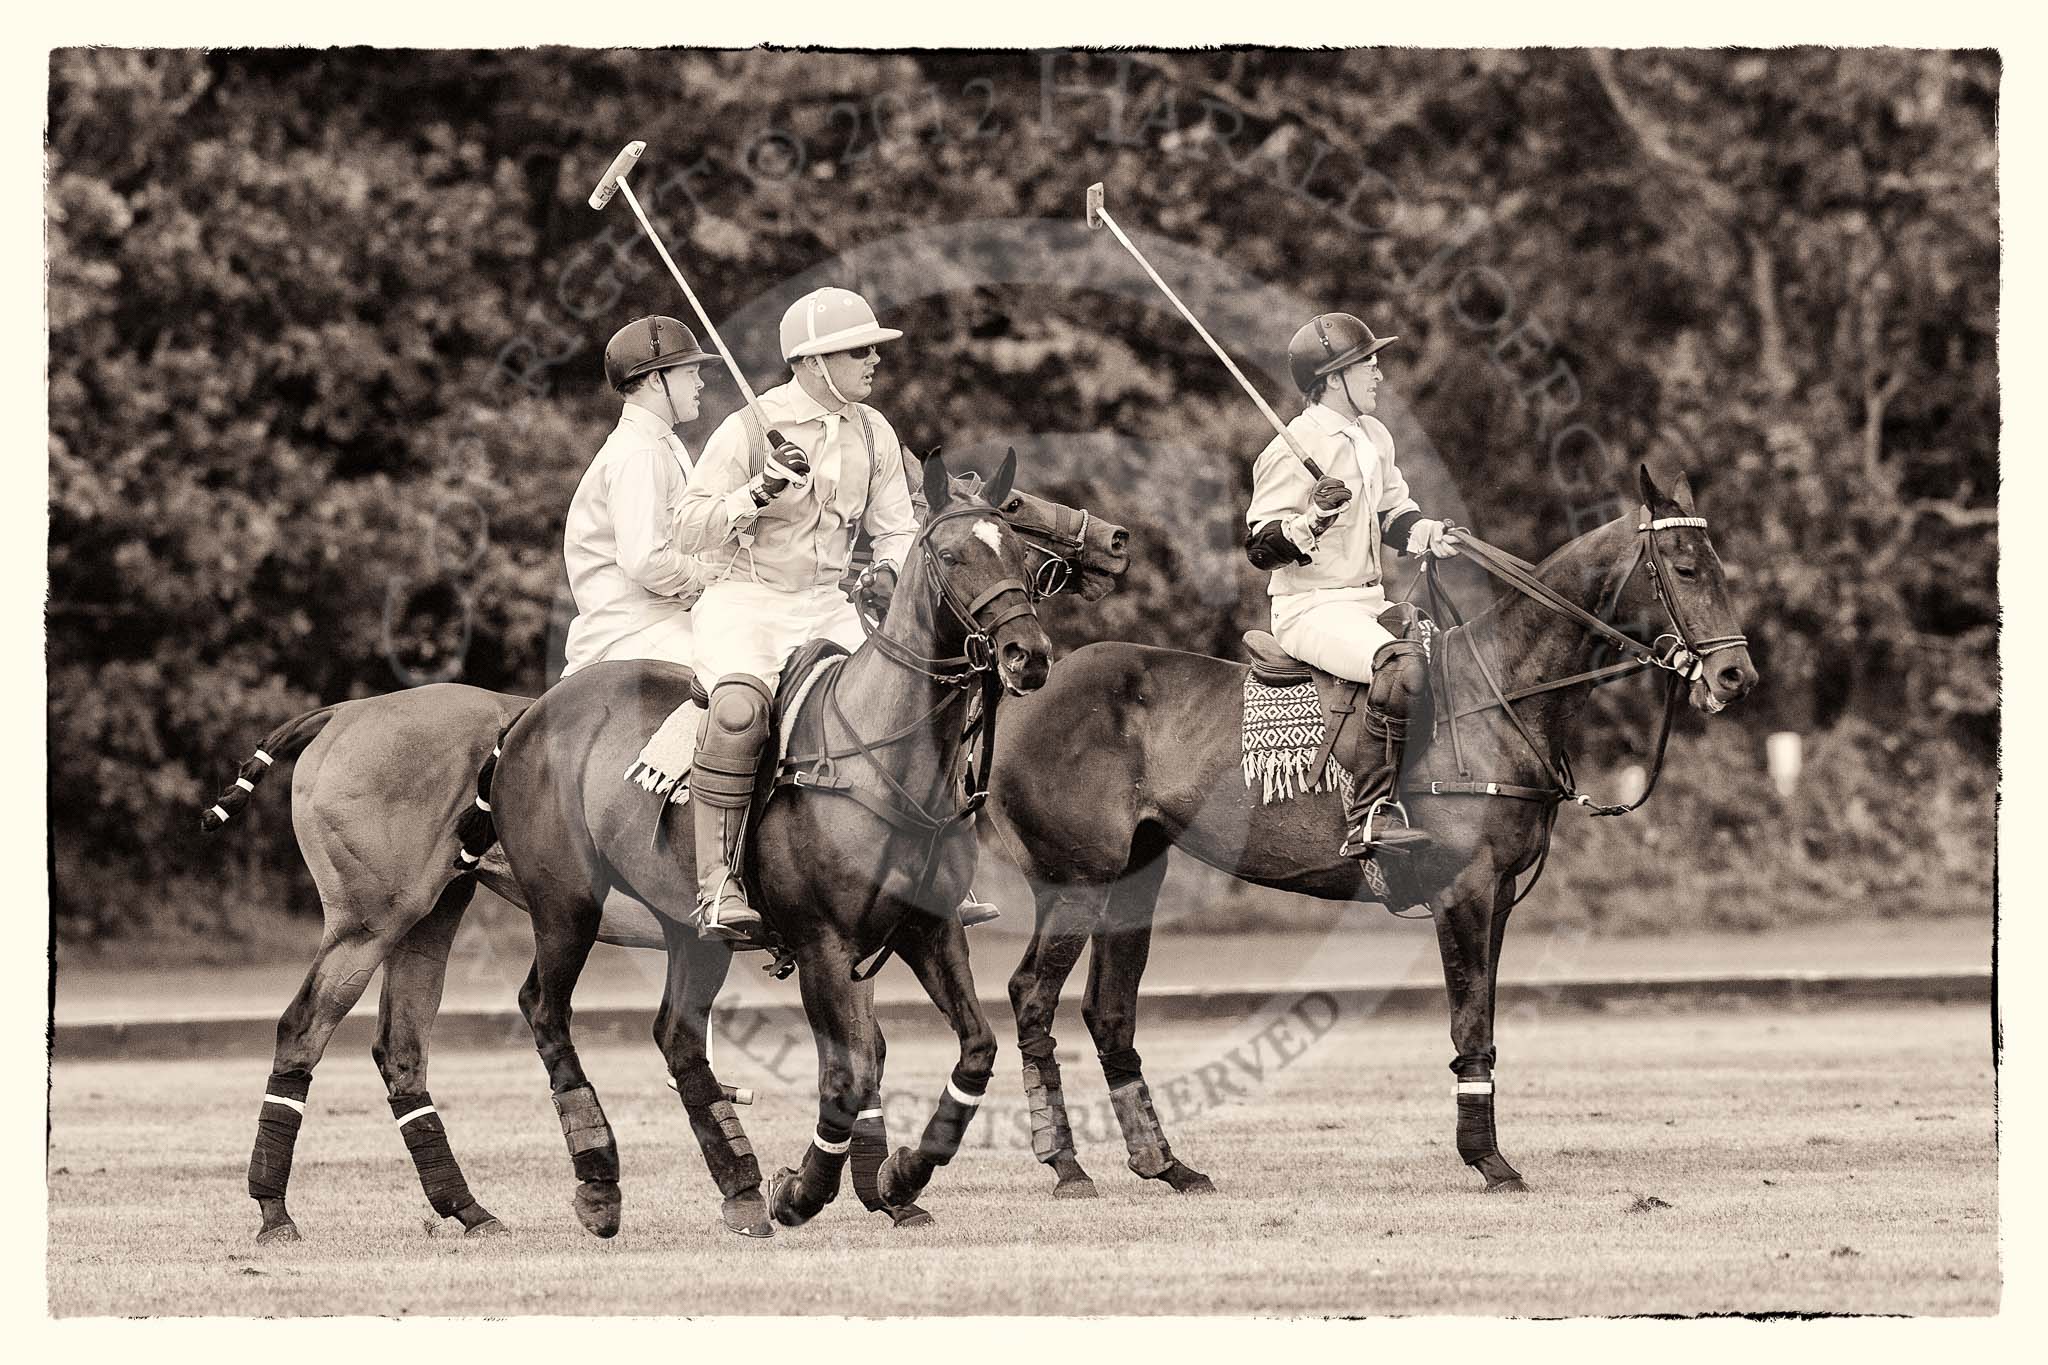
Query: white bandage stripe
[[962, 1097], [1475, 1087], [868, 1114], [468, 857], [423, 1109], [830, 1148], [296, 1106], [245, 784], [265, 759], [218, 814], [483, 805]]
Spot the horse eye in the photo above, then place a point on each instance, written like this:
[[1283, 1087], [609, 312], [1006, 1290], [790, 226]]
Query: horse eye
[[1013, 504], [1686, 572], [948, 558]]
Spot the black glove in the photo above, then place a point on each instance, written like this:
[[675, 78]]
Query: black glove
[[786, 465], [1330, 495]]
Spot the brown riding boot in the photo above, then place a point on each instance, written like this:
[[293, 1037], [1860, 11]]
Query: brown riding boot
[[735, 729], [1398, 687]]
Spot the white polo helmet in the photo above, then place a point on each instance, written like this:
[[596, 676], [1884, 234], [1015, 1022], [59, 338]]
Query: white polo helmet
[[827, 320]]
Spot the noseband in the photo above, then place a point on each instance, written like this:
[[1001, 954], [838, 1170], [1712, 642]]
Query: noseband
[[1052, 572]]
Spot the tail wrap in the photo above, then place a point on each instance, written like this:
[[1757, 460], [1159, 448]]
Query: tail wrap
[[285, 742], [477, 831]]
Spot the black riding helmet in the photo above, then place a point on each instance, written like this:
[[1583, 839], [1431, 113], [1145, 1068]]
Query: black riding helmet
[[645, 345], [1327, 343]]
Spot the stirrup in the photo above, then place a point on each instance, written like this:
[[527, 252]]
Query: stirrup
[[1399, 840], [742, 931], [974, 911]]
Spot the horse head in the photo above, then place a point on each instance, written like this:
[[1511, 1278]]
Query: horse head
[[1688, 590], [1068, 547], [968, 578]]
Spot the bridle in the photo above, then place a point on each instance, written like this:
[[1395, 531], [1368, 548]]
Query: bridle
[[978, 651], [1679, 652], [1052, 572]]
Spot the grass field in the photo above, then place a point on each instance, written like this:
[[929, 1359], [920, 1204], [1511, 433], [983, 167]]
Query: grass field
[[1743, 1161]]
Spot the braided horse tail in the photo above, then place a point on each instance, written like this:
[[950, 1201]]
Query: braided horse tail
[[477, 831], [285, 742]]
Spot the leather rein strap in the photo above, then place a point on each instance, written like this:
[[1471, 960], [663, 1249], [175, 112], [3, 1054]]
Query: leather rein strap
[[1684, 658]]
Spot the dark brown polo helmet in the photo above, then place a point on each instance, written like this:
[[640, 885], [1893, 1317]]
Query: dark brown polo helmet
[[1327, 343], [645, 345]]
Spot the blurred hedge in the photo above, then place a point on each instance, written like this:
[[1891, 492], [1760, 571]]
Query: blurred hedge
[[324, 331]]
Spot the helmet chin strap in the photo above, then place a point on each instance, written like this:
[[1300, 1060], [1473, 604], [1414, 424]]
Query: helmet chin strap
[[826, 370], [1344, 379], [674, 418]]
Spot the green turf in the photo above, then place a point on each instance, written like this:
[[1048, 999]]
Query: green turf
[[1832, 1161]]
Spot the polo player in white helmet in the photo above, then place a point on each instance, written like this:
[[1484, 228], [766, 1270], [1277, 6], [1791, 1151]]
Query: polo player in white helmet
[[775, 540]]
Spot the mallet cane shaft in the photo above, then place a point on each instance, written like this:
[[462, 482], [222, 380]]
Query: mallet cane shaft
[[1098, 216], [614, 181]]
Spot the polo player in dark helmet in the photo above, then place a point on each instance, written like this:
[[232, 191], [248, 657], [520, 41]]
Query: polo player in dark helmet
[[1321, 539], [633, 585]]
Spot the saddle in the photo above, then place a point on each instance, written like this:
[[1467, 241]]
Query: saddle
[[1345, 738]]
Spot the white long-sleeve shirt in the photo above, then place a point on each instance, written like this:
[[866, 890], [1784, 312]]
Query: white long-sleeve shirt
[[632, 581], [1347, 555], [799, 540]]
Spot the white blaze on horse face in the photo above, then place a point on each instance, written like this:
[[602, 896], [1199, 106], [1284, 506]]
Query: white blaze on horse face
[[987, 534]]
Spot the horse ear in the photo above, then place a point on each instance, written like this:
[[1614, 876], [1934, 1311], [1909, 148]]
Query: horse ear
[[1681, 493], [938, 489], [999, 491], [1653, 496]]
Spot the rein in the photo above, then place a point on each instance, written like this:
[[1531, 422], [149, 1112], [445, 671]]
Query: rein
[[1678, 652], [975, 663]]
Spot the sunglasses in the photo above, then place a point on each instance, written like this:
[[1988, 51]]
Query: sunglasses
[[864, 354]]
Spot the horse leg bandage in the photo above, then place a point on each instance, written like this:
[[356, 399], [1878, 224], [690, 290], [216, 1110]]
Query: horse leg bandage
[[1051, 1135], [592, 1150], [947, 1127], [277, 1133], [426, 1137], [1476, 1138], [870, 1147], [817, 1179], [727, 1151], [1143, 1135]]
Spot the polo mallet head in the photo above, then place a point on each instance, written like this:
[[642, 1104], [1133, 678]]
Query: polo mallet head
[[621, 164], [1095, 205]]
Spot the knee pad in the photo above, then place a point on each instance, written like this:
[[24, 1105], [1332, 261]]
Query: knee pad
[[736, 726], [1398, 679]]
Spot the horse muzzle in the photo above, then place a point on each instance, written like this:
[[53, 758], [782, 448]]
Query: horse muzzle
[[1727, 676], [1023, 657]]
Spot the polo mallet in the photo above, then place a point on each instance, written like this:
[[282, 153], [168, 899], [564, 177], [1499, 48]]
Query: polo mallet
[[1098, 217], [614, 182]]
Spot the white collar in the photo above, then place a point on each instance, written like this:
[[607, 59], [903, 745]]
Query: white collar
[[793, 403]]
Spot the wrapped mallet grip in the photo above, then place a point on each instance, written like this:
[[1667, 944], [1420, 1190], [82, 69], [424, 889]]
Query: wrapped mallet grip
[[793, 459]]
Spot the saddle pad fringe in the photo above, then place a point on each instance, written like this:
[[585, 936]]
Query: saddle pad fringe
[[663, 765], [1283, 733]]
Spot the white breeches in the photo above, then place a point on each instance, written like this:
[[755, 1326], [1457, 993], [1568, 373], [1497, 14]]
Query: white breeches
[[1336, 629], [744, 627], [671, 639]]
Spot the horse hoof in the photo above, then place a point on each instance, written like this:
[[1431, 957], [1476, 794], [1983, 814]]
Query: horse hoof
[[781, 1202], [1075, 1187], [1516, 1185], [597, 1207], [909, 1216], [747, 1214], [893, 1186], [286, 1231], [1186, 1179], [490, 1227]]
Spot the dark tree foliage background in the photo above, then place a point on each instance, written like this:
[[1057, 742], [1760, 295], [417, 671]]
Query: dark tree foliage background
[[325, 332]]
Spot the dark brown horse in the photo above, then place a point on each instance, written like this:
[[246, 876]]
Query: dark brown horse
[[1129, 751], [858, 853], [376, 793]]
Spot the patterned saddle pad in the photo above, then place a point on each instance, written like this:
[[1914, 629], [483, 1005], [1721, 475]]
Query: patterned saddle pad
[[1283, 732]]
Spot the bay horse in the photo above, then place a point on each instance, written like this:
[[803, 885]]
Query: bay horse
[[860, 848], [1130, 750], [377, 790]]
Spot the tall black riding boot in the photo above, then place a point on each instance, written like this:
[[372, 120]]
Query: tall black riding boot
[[1378, 820]]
